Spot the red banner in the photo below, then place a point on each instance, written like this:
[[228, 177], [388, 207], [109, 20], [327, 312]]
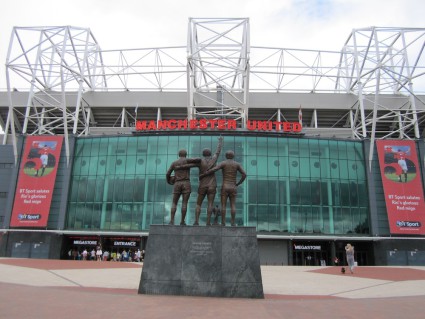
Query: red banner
[[403, 189], [36, 180]]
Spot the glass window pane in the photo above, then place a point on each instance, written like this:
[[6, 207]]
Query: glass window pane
[[92, 166], [305, 167], [251, 166], [262, 165], [333, 149], [130, 165], [132, 146], [293, 147], [315, 167], [361, 170], [294, 184], [273, 165], [84, 165], [324, 149], [282, 148], [358, 148], [343, 169], [345, 194], [87, 216], [82, 190], [305, 192], [295, 191], [315, 192], [99, 189], [325, 187], [97, 212], [262, 189], [325, 220], [118, 189], [95, 146], [272, 146], [342, 149], [151, 164], [283, 191], [294, 166], [334, 169], [296, 220], [251, 146], [161, 165], [128, 187], [101, 165], [304, 149], [91, 189], [363, 195], [70, 221], [140, 164], [104, 146]]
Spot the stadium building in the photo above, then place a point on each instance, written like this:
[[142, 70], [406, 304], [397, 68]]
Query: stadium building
[[332, 141]]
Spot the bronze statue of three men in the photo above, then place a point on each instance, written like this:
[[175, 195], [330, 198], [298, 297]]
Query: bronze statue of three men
[[207, 183]]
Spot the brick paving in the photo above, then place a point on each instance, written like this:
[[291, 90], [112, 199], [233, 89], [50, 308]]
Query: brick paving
[[380, 273], [26, 300]]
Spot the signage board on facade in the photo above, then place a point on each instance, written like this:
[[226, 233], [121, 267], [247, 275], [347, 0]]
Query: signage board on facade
[[92, 242], [217, 125], [307, 247], [401, 178], [37, 176]]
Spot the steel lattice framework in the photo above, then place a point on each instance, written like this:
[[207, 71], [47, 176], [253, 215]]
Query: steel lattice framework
[[218, 61], [53, 60], [217, 69], [376, 60], [379, 60]]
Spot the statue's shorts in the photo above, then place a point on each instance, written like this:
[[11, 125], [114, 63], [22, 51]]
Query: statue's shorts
[[229, 190], [182, 187], [207, 190]]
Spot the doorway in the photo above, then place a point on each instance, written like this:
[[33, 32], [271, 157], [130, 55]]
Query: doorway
[[310, 258]]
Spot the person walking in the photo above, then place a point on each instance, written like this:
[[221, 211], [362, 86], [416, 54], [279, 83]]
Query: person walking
[[349, 251]]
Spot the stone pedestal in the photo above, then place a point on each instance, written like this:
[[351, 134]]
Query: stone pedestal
[[202, 261]]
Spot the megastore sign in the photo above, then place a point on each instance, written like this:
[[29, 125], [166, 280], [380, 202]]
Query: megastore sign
[[219, 125], [307, 247]]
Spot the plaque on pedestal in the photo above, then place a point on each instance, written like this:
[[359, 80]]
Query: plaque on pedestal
[[202, 261]]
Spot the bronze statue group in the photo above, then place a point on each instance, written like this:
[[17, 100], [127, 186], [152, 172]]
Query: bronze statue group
[[207, 183]]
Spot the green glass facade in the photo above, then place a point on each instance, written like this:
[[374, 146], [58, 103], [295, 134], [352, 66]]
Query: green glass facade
[[293, 185]]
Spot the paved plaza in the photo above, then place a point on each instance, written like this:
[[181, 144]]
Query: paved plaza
[[39, 288]]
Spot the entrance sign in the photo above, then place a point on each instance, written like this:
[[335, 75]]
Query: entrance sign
[[403, 187], [37, 176]]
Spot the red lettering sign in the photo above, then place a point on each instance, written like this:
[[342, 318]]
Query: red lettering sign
[[221, 125]]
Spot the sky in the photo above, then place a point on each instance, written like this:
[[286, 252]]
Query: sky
[[300, 24]]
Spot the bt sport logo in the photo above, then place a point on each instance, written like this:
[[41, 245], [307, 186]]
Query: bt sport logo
[[29, 216], [408, 224]]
